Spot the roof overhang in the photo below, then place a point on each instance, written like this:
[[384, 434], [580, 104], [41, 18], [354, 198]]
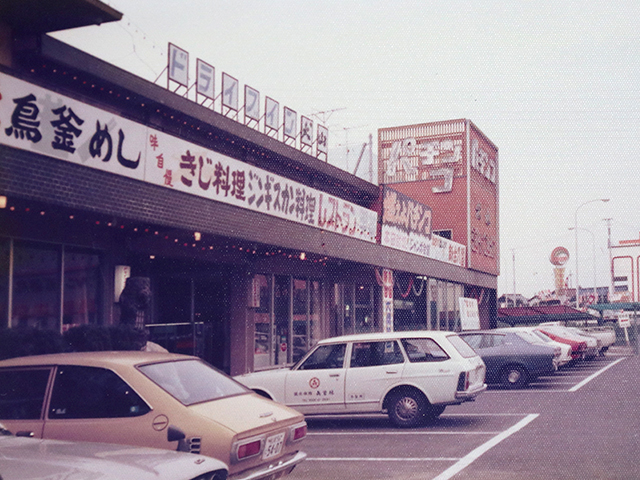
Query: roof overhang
[[42, 16]]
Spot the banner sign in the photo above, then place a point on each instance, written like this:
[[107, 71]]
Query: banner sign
[[45, 122], [406, 225]]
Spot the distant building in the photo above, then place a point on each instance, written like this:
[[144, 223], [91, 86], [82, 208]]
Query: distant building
[[626, 271]]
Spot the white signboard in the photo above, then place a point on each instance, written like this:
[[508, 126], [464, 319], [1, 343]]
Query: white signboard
[[290, 122], [47, 123], [205, 79], [251, 103], [387, 300], [469, 316], [306, 131], [322, 137], [272, 113], [230, 91], [178, 67]]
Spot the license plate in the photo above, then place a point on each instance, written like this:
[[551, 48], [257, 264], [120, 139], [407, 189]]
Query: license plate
[[273, 446]]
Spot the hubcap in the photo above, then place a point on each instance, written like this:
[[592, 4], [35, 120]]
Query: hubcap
[[407, 408], [514, 376]]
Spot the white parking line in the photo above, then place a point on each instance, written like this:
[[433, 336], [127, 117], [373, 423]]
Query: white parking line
[[465, 461], [591, 377], [378, 459], [335, 434]]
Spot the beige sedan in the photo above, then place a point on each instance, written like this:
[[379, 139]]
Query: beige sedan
[[159, 400]]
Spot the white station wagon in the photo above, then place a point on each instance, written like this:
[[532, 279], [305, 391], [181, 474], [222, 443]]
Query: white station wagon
[[412, 376]]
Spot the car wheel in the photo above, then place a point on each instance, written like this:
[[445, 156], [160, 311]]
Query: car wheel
[[407, 409], [514, 376], [436, 410]]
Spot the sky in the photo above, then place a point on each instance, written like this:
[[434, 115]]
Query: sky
[[555, 85]]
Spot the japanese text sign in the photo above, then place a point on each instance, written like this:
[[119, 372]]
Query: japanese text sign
[[44, 122]]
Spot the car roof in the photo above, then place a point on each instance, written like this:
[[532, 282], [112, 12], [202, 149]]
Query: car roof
[[102, 359], [381, 336]]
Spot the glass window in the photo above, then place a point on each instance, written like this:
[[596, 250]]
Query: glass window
[[261, 312], [314, 312], [4, 283], [423, 350], [81, 288], [372, 354], [90, 392], [325, 357], [462, 347], [22, 393], [474, 341], [192, 381], [36, 286], [300, 318]]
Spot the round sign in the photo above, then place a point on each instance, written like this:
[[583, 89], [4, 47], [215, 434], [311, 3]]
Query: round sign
[[314, 382], [559, 256], [283, 347]]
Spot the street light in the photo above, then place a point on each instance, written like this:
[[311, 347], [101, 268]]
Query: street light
[[575, 231], [593, 240]]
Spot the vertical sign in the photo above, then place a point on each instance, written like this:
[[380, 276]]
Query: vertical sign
[[205, 79], [251, 103], [271, 114], [322, 137], [306, 131], [290, 122], [230, 92], [387, 300], [178, 65]]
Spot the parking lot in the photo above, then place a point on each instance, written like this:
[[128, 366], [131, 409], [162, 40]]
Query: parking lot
[[580, 422]]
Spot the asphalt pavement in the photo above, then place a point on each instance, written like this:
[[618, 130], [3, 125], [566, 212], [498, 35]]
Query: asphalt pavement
[[581, 423]]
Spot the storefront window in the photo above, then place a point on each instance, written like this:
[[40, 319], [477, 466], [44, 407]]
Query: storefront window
[[300, 318], [261, 308], [36, 286], [4, 282], [81, 287], [364, 308], [314, 312]]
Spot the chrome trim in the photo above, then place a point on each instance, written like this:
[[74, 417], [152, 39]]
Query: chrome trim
[[275, 468]]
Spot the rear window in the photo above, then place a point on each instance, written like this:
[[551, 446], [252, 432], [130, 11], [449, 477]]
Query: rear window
[[192, 381], [462, 347]]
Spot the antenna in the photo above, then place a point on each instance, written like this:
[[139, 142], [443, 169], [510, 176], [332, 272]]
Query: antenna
[[326, 114]]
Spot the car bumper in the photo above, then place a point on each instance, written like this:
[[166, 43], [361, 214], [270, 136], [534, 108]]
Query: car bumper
[[471, 394], [281, 468]]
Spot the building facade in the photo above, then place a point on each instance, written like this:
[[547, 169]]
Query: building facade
[[249, 246]]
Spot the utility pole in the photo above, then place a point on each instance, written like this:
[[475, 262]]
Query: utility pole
[[608, 220], [513, 256]]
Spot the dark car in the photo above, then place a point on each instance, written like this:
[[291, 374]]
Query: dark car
[[510, 359]]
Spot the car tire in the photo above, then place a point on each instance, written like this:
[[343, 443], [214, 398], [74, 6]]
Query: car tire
[[514, 376], [435, 411], [407, 409]]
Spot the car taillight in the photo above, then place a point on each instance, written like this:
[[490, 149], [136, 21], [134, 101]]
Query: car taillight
[[298, 432], [463, 381], [249, 449]]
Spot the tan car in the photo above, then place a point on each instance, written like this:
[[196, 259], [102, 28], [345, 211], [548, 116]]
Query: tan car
[[159, 400]]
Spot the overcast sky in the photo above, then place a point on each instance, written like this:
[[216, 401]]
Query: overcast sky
[[554, 84]]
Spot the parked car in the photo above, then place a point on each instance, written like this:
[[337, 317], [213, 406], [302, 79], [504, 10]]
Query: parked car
[[605, 336], [412, 376], [510, 359], [536, 336], [24, 458], [561, 333], [160, 400], [578, 346]]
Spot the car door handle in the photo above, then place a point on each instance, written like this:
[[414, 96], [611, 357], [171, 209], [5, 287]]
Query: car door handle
[[391, 372], [333, 375], [24, 433]]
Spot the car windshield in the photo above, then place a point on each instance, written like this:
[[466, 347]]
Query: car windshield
[[192, 381], [462, 347]]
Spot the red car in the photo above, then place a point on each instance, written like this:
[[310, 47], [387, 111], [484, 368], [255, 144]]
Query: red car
[[578, 347]]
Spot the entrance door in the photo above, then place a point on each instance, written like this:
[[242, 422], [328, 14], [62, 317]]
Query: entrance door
[[191, 315]]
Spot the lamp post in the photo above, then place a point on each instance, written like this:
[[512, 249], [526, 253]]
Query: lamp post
[[593, 240], [575, 231]]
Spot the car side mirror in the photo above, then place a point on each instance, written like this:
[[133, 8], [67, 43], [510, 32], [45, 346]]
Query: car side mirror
[[174, 434]]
